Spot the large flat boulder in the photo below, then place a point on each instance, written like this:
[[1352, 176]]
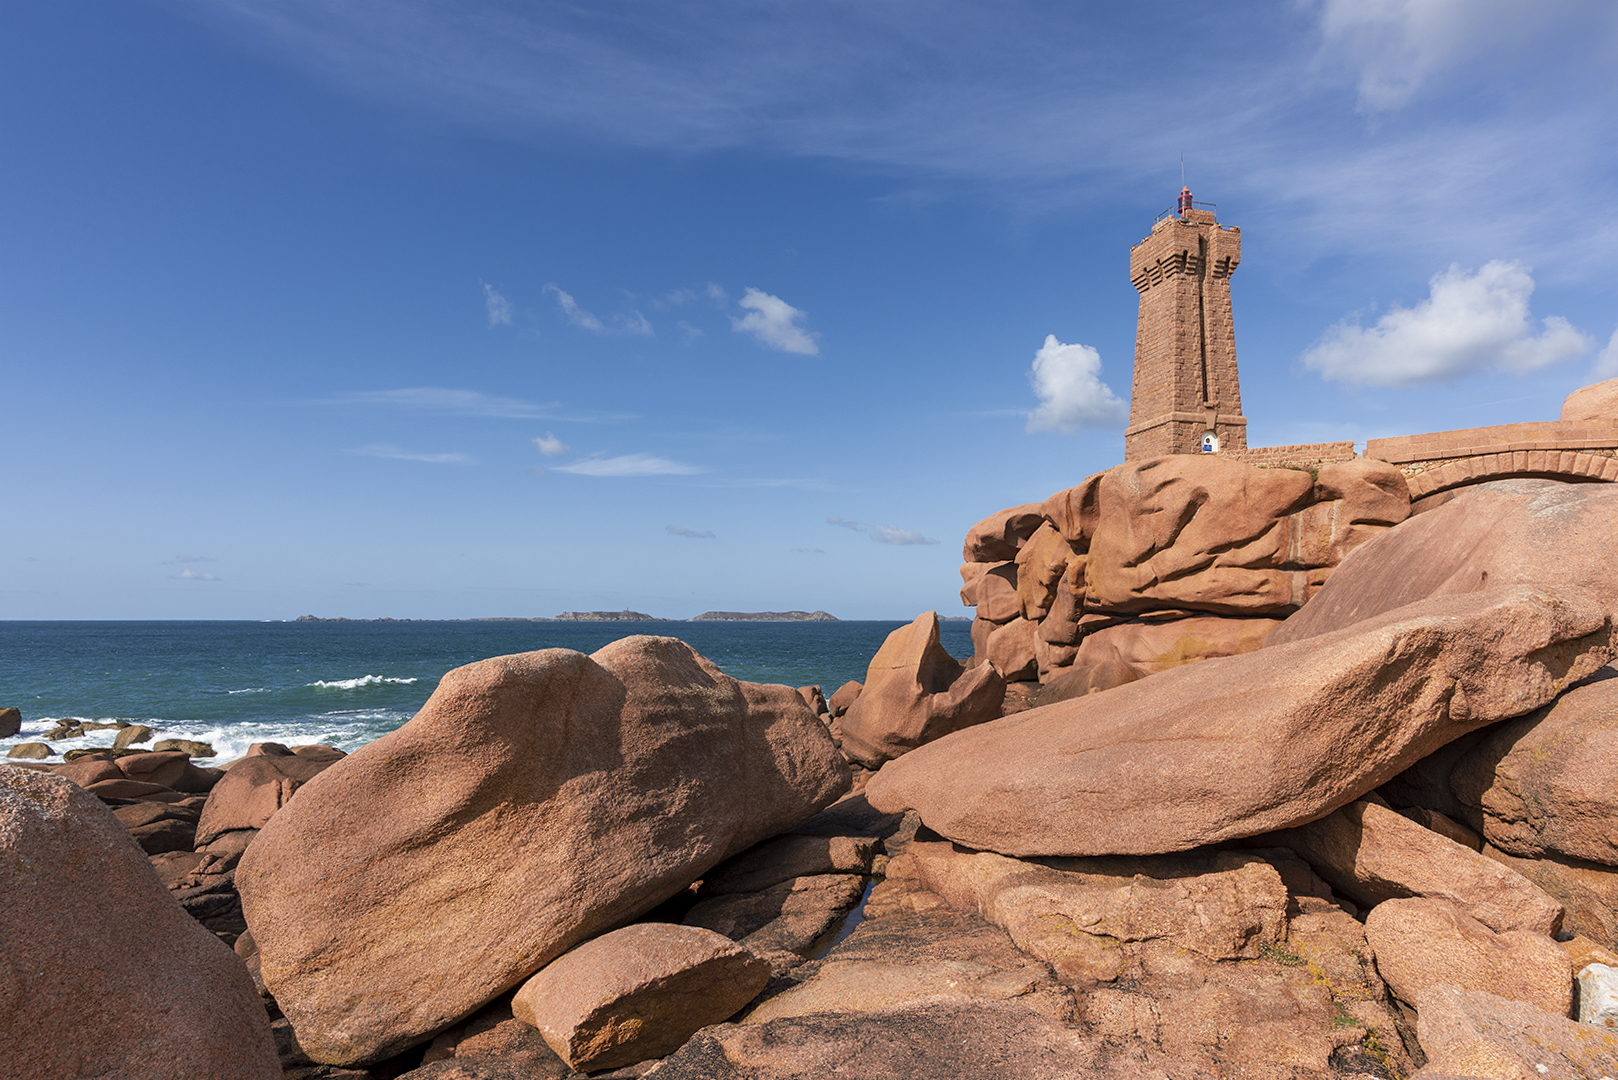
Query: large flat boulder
[[1243, 745], [915, 692], [1153, 646], [535, 801], [101, 973], [1495, 535]]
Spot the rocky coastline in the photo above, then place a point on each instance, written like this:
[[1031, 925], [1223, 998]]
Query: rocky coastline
[[1259, 772]]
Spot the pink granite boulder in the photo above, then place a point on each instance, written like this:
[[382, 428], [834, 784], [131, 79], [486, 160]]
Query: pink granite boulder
[[1243, 745], [914, 693], [101, 972], [536, 801]]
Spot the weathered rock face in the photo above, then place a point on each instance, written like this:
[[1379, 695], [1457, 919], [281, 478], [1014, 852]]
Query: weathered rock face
[[1588, 890], [1151, 647], [1371, 853], [997, 537], [1549, 781], [1075, 914], [1173, 538], [168, 1000], [637, 993], [1477, 1033], [258, 786], [535, 801], [10, 722], [1422, 943], [916, 692], [1494, 535], [1598, 401], [1247, 744]]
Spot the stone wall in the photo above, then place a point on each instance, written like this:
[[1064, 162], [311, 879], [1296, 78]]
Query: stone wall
[[1297, 456]]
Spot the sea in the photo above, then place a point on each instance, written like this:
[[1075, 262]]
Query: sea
[[232, 684]]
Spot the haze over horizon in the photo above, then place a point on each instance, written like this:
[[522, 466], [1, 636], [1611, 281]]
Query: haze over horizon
[[433, 310]]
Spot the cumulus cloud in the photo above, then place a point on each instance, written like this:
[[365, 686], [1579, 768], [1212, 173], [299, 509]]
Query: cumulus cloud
[[551, 446], [1067, 381], [195, 575], [575, 314], [629, 465], [384, 450], [1607, 360], [681, 530], [447, 400], [498, 306], [1471, 322], [774, 322], [881, 534]]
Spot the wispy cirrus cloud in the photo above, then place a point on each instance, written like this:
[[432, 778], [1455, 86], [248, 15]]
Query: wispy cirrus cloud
[[447, 400], [384, 450], [681, 530], [629, 465], [498, 307], [1036, 101], [630, 322], [195, 575], [883, 534]]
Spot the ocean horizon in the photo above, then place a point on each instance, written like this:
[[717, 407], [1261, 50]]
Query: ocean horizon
[[344, 683]]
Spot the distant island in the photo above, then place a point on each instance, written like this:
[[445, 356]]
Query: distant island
[[764, 616], [615, 616]]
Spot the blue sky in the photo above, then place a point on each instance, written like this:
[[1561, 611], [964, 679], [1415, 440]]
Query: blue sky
[[449, 310]]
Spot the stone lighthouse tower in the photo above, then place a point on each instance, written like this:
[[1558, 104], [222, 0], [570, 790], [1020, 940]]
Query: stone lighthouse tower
[[1186, 399]]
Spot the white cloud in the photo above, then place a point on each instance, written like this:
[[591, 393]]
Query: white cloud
[[551, 446], [383, 450], [193, 559], [195, 575], [575, 314], [681, 530], [1606, 366], [499, 307], [774, 322], [881, 534], [1067, 381], [629, 465], [1471, 322], [444, 399], [691, 333], [633, 322], [889, 534], [716, 293], [1397, 45]]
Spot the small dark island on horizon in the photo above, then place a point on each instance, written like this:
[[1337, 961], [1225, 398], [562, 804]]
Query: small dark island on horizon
[[612, 616]]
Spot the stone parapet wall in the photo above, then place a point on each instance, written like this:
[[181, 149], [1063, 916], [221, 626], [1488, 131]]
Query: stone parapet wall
[[1430, 477], [1298, 456], [1576, 435]]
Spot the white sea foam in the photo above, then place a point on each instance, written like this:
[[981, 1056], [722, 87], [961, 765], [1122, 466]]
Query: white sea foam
[[346, 729], [355, 684], [250, 690]]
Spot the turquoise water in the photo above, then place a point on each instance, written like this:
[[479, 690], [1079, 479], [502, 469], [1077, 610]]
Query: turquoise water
[[231, 684]]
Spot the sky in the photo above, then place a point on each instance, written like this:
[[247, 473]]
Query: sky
[[454, 310]]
